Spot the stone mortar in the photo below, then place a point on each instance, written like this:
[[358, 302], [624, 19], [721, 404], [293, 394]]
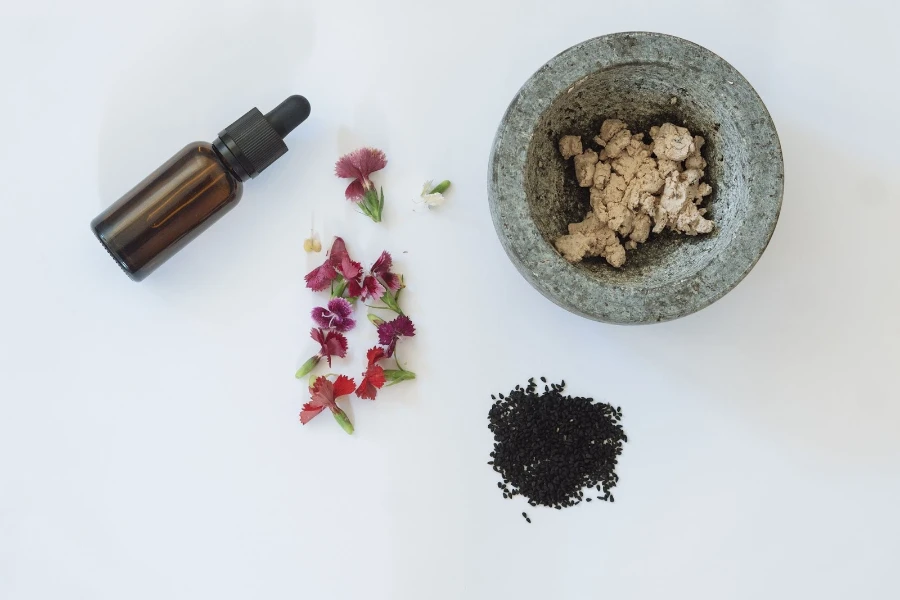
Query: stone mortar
[[634, 77]]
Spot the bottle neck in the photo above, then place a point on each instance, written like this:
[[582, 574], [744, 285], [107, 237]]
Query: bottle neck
[[230, 156]]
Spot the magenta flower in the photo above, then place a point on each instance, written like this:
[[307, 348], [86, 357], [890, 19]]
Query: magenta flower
[[336, 316], [331, 343], [379, 279], [382, 270], [390, 332], [337, 263], [366, 289], [359, 166]]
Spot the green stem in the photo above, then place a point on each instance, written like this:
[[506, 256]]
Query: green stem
[[391, 302], [341, 287]]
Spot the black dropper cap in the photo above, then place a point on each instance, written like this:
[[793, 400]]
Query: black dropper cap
[[255, 141]]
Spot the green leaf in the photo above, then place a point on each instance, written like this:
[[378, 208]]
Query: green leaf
[[395, 376], [391, 302]]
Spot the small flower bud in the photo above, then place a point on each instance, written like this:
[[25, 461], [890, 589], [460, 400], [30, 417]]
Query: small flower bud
[[307, 367]]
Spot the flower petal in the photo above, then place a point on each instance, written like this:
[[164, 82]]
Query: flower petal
[[340, 307], [335, 345], [383, 264], [386, 333], [403, 326], [374, 355], [391, 281], [309, 411], [373, 380], [354, 288], [319, 278], [338, 252], [372, 288], [343, 385], [343, 324], [349, 269], [432, 200], [322, 317], [355, 191], [360, 163]]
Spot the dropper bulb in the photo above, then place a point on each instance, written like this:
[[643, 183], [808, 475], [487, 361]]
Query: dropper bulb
[[287, 115]]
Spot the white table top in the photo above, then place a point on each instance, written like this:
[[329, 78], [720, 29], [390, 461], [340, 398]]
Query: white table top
[[149, 442]]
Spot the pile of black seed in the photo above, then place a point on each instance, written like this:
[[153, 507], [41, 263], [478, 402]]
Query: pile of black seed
[[553, 449]]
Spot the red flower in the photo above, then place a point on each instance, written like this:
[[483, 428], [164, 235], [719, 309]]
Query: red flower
[[337, 263], [390, 332], [358, 165], [323, 394], [336, 316], [373, 379], [331, 344]]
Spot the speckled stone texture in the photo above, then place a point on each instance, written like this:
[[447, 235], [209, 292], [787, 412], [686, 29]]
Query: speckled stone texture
[[634, 77]]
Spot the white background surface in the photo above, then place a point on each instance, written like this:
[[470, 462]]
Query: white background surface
[[149, 442]]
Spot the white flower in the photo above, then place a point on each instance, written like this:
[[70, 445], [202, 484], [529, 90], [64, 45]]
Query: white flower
[[433, 196]]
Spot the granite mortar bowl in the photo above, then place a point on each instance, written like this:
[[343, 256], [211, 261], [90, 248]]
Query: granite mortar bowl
[[643, 79]]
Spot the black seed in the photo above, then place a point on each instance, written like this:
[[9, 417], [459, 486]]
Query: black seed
[[527, 519], [549, 447], [525, 515]]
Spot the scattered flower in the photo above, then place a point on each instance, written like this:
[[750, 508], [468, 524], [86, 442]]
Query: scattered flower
[[323, 394], [377, 282], [382, 270], [336, 316], [338, 264], [390, 332], [349, 281], [358, 166], [373, 379], [433, 195], [331, 343]]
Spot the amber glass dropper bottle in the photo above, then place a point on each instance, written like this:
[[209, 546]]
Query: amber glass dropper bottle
[[187, 194]]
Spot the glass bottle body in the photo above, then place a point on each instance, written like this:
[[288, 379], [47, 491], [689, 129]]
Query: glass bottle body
[[168, 209]]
